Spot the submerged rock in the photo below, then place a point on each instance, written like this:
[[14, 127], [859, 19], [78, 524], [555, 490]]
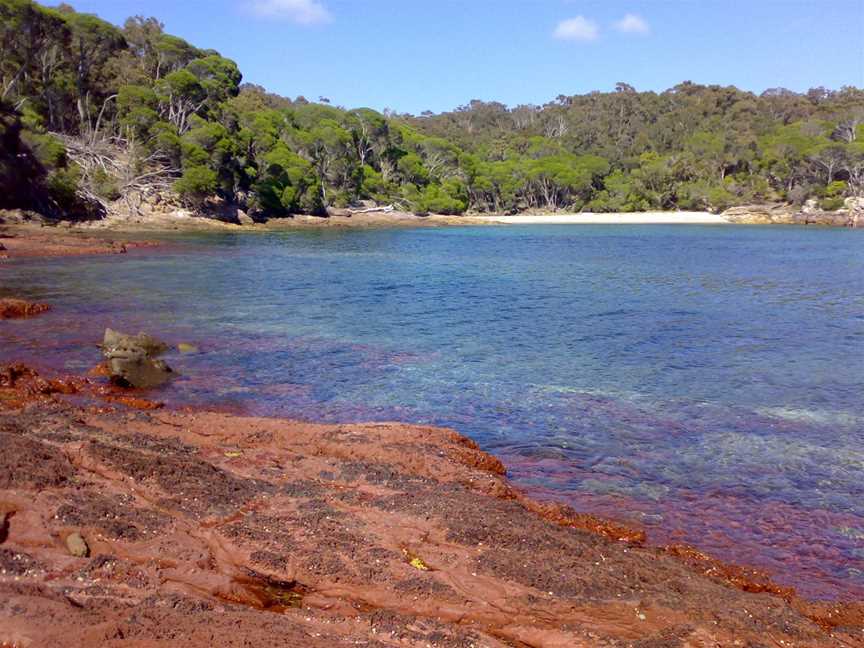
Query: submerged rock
[[132, 360], [18, 308]]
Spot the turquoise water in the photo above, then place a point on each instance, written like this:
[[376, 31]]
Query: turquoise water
[[704, 382]]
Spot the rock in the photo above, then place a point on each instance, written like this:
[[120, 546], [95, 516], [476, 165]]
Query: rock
[[855, 206], [854, 203], [766, 214], [19, 308], [243, 218], [134, 402], [183, 347], [783, 214], [77, 546], [139, 371], [810, 206], [150, 345], [339, 212], [131, 360]]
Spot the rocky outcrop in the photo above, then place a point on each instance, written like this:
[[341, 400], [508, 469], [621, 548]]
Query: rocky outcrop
[[274, 533], [132, 360], [855, 206], [784, 214]]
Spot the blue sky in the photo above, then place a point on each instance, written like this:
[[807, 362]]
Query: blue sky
[[416, 55]]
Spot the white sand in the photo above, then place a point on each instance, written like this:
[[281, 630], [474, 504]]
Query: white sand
[[640, 218]]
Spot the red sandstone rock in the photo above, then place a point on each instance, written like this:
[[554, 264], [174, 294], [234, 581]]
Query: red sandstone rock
[[29, 242], [208, 529], [20, 308]]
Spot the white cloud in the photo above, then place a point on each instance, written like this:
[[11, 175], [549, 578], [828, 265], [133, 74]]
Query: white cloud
[[576, 29], [632, 24], [303, 12]]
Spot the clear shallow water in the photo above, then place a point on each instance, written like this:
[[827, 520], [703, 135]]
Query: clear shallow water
[[706, 382]]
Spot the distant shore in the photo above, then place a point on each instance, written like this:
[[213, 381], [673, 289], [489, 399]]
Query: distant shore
[[590, 218], [79, 236]]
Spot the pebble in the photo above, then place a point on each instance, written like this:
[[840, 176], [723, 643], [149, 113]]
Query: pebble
[[77, 546]]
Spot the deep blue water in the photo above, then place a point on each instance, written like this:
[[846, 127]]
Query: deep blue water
[[706, 382]]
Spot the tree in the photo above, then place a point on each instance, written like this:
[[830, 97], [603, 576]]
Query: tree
[[94, 41], [196, 185]]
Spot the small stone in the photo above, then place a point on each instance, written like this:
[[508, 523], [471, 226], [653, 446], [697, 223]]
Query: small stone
[[77, 546], [183, 347]]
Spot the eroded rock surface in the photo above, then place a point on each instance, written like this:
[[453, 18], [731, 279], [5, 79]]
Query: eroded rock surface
[[784, 214], [205, 529]]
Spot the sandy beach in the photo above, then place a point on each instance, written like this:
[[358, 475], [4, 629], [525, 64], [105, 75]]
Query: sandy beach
[[588, 218]]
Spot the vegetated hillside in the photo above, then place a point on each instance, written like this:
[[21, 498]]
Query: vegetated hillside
[[98, 111]]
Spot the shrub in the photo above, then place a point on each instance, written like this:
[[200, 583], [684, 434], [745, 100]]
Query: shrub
[[831, 204], [63, 188], [105, 185], [196, 184]]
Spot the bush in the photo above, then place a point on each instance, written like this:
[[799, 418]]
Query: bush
[[105, 185], [831, 204], [63, 187], [437, 200], [197, 184], [48, 149], [835, 189]]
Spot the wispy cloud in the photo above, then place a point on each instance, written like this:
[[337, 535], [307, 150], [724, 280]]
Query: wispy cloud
[[303, 12], [576, 29], [632, 24]]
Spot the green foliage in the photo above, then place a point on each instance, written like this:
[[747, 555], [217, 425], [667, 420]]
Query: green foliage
[[63, 186], [287, 184], [836, 189], [105, 185], [832, 203], [449, 198], [196, 185], [703, 195]]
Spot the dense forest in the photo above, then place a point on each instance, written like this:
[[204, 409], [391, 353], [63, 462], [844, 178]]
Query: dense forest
[[90, 111]]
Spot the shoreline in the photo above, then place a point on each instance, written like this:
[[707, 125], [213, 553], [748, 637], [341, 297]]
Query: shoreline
[[29, 241], [73, 236], [276, 528], [590, 218]]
